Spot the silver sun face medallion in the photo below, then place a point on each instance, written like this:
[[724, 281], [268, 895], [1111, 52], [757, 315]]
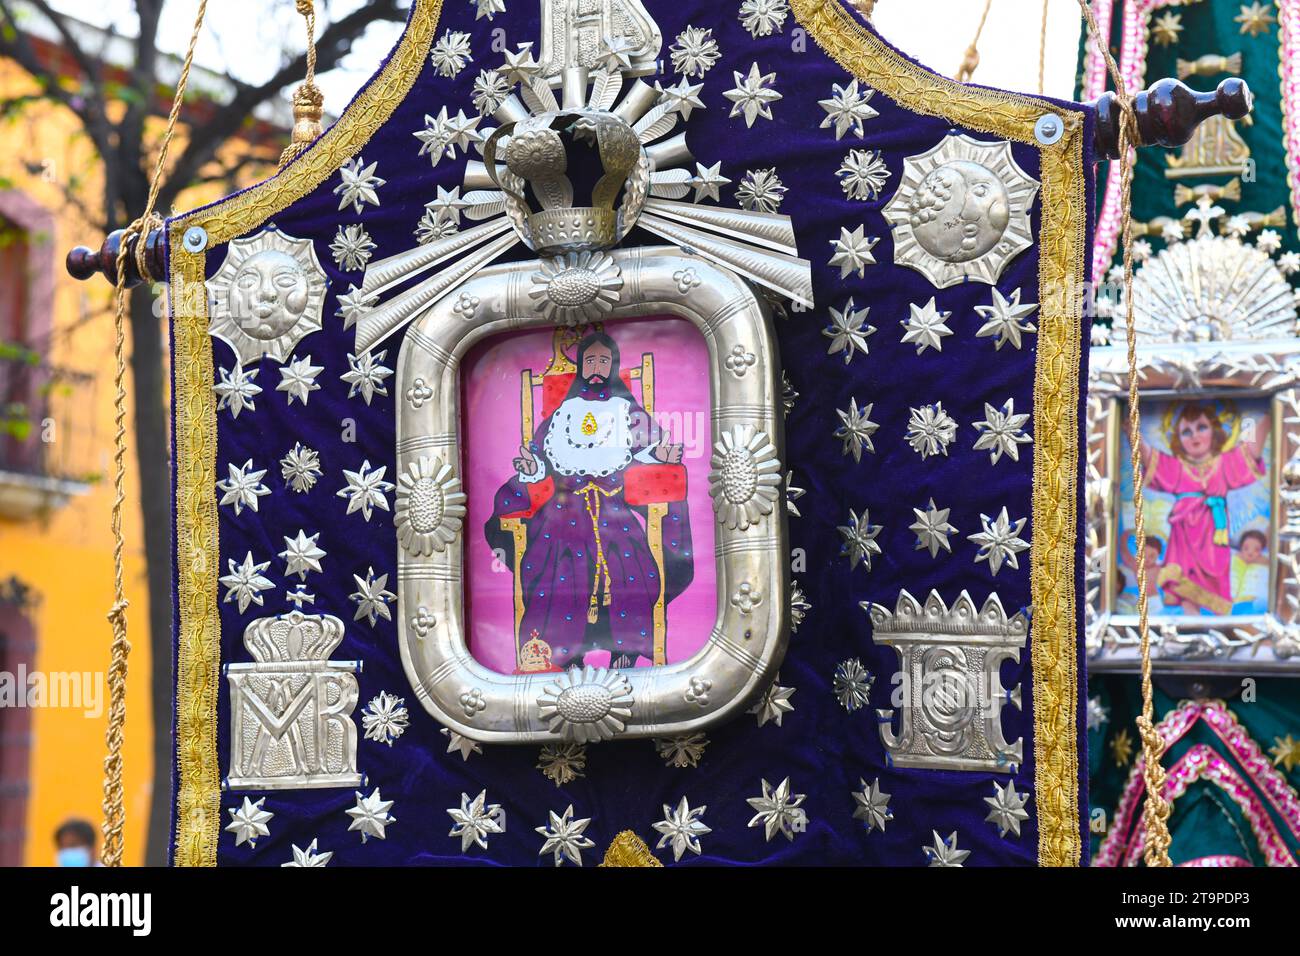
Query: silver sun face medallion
[[961, 211], [268, 295]]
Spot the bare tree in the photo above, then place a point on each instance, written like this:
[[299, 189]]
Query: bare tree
[[212, 151]]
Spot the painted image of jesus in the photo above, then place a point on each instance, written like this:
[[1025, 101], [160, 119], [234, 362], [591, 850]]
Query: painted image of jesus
[[587, 489], [1209, 488]]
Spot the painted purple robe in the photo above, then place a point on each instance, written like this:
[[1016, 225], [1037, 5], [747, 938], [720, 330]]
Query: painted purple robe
[[587, 551]]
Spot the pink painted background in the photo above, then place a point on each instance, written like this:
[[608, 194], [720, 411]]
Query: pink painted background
[[490, 377]]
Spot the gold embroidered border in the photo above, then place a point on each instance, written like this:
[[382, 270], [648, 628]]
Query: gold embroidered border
[[198, 662], [1056, 386]]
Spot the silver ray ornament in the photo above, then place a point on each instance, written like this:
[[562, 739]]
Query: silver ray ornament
[[475, 820], [370, 817], [1007, 808], [872, 805], [778, 811], [851, 685], [681, 828], [563, 837]]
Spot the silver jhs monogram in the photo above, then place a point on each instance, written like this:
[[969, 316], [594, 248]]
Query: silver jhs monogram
[[952, 696]]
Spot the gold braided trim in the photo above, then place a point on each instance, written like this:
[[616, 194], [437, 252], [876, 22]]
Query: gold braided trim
[[628, 849], [198, 665], [1056, 386]]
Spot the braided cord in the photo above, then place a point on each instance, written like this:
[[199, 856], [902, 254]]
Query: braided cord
[[1155, 811], [114, 804]]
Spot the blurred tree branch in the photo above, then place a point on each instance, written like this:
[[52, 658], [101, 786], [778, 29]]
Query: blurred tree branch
[[114, 104]]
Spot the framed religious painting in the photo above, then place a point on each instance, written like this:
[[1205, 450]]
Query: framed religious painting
[[1217, 386], [591, 542]]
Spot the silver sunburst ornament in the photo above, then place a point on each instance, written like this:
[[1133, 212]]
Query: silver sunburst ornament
[[695, 51], [930, 430], [576, 288], [852, 685], [450, 54], [961, 211], [562, 763], [586, 704], [267, 296], [385, 718], [429, 506], [746, 477], [1209, 289], [684, 750], [863, 173]]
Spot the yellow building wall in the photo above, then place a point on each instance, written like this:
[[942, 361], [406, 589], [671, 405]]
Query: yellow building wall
[[67, 557]]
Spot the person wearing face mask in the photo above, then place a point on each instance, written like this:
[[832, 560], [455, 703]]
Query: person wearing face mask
[[75, 840]]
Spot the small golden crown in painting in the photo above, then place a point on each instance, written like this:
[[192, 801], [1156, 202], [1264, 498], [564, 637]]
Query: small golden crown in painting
[[535, 655]]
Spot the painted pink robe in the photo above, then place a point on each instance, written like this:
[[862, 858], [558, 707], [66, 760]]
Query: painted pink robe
[[1201, 508]]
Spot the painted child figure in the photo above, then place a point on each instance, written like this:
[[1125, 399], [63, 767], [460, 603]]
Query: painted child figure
[[1199, 474], [1127, 585], [1250, 574]]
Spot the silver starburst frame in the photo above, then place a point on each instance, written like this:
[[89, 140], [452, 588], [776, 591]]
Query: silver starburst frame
[[961, 211], [744, 650], [1223, 330]]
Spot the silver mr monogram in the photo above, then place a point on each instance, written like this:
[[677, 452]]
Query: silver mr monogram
[[291, 707]]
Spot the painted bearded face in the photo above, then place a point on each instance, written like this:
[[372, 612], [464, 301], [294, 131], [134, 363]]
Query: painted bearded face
[[1196, 437], [597, 363], [960, 211], [268, 295]]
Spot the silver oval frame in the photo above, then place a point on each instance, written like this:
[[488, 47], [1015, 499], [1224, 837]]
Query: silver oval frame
[[747, 642]]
